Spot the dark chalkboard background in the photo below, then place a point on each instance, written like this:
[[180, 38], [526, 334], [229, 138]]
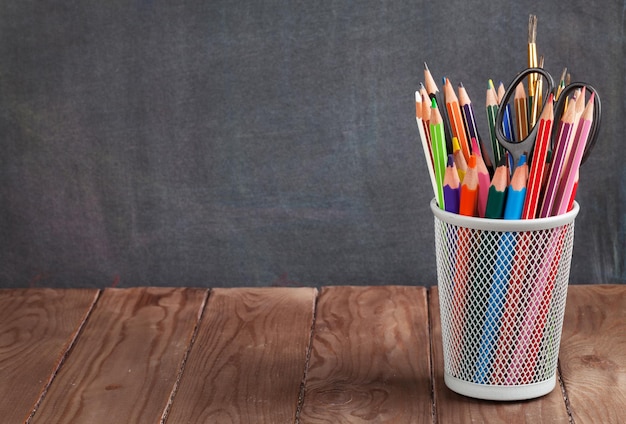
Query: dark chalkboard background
[[221, 143]]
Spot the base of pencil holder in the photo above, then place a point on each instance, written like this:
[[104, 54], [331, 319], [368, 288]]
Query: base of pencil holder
[[500, 393]]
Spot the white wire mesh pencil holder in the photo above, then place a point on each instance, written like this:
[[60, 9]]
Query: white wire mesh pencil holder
[[502, 290]]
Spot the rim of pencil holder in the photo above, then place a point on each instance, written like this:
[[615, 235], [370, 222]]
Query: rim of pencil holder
[[504, 224]]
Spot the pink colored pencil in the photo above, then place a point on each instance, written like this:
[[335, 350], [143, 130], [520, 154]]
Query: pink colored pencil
[[483, 179], [569, 181], [528, 343]]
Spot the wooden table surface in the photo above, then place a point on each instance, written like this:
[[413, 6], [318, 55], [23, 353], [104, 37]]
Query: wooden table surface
[[278, 355]]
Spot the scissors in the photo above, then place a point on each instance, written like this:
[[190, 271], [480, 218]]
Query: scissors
[[517, 148]]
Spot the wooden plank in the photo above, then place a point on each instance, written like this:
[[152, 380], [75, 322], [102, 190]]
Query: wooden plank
[[370, 359], [248, 360], [593, 353], [126, 361], [37, 326], [454, 408]]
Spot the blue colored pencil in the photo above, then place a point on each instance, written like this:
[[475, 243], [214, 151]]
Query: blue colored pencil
[[507, 121], [517, 191], [505, 256]]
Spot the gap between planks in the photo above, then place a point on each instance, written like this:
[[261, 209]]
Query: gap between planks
[[308, 358], [183, 361], [64, 356]]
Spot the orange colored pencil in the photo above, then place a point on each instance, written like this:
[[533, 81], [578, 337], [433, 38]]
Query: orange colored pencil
[[468, 204], [457, 127]]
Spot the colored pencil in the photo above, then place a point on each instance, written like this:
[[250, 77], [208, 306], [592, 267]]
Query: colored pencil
[[505, 255], [516, 192], [504, 258], [521, 112], [547, 277], [451, 187], [483, 179], [507, 118], [521, 369], [558, 160], [497, 191], [438, 141], [516, 273], [457, 127], [429, 82], [428, 155], [469, 120], [538, 160], [574, 190], [466, 243], [468, 204], [569, 182], [491, 105], [459, 158], [434, 93], [426, 114]]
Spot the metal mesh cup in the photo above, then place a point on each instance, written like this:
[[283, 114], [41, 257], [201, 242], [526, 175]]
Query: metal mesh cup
[[502, 289]]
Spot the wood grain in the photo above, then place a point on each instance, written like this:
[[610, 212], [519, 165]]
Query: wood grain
[[370, 360], [127, 358], [248, 360], [37, 327], [454, 408], [593, 353]]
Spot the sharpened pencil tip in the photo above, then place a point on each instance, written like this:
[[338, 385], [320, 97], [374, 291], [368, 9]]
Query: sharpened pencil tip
[[450, 160]]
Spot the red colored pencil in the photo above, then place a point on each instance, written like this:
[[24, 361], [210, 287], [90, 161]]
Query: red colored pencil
[[538, 161]]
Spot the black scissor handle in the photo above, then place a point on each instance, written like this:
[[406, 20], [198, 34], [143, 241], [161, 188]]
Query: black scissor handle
[[510, 91], [597, 114], [516, 148]]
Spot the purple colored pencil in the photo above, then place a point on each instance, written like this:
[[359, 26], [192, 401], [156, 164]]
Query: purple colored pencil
[[451, 187]]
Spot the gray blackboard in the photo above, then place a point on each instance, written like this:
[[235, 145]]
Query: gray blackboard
[[221, 143]]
